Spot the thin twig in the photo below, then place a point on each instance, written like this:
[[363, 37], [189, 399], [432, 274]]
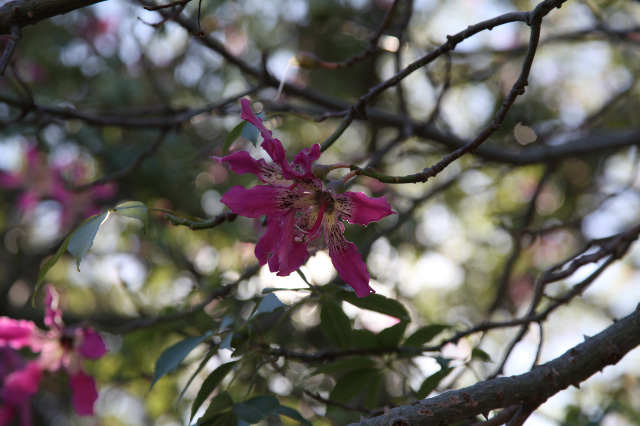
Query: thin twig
[[14, 37]]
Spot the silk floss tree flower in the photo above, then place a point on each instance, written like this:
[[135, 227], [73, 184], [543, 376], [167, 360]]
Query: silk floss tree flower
[[58, 348], [298, 208]]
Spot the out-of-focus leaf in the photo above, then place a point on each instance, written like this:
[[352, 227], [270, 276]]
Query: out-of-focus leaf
[[364, 339], [391, 336], [204, 361], [478, 353], [135, 210], [82, 238], [431, 382], [293, 414], [226, 342], [233, 135], [376, 303], [227, 418], [424, 334], [345, 365], [48, 265], [251, 132], [219, 403], [335, 324], [173, 356], [209, 385], [257, 408], [373, 392], [268, 304], [353, 383]]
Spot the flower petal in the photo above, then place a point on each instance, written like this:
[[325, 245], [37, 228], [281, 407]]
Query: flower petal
[[345, 257], [248, 115], [265, 200], [18, 334], [358, 208], [83, 393], [52, 315], [267, 243], [287, 253], [92, 346], [241, 162], [304, 159], [21, 385]]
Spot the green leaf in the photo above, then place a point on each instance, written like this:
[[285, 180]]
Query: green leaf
[[47, 267], [432, 382], [391, 336], [233, 135], [345, 365], [424, 335], [251, 132], [376, 303], [335, 324], [256, 409], [204, 361], [82, 238], [209, 385], [267, 304], [478, 353], [219, 403], [226, 342], [293, 414], [173, 356], [373, 392], [135, 210], [364, 339], [224, 419], [353, 383]]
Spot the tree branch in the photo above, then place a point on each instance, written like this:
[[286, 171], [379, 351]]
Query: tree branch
[[9, 49], [529, 389], [30, 12]]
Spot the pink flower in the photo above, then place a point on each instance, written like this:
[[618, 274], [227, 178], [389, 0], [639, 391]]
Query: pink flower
[[39, 181], [298, 209], [59, 347]]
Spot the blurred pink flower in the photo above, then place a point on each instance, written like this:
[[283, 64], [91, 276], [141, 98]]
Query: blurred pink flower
[[59, 347], [298, 208], [39, 181]]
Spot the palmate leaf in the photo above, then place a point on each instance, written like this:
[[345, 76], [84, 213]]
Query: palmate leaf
[[376, 303], [209, 385], [82, 238], [173, 356], [47, 267], [335, 324], [80, 241], [268, 304], [135, 210], [233, 136], [424, 334], [293, 414], [256, 409]]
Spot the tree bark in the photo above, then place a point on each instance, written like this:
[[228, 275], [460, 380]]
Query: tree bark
[[527, 390], [22, 13]]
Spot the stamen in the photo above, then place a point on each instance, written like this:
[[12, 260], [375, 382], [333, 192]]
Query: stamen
[[284, 77], [318, 220]]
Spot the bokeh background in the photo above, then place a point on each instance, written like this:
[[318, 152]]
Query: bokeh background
[[467, 245]]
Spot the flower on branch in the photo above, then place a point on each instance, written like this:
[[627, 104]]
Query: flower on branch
[[38, 180], [58, 348], [298, 209]]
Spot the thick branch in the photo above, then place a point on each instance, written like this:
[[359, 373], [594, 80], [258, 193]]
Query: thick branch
[[529, 389], [29, 12]]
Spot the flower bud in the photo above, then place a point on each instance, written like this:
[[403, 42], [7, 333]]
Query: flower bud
[[336, 186], [307, 60], [320, 170]]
